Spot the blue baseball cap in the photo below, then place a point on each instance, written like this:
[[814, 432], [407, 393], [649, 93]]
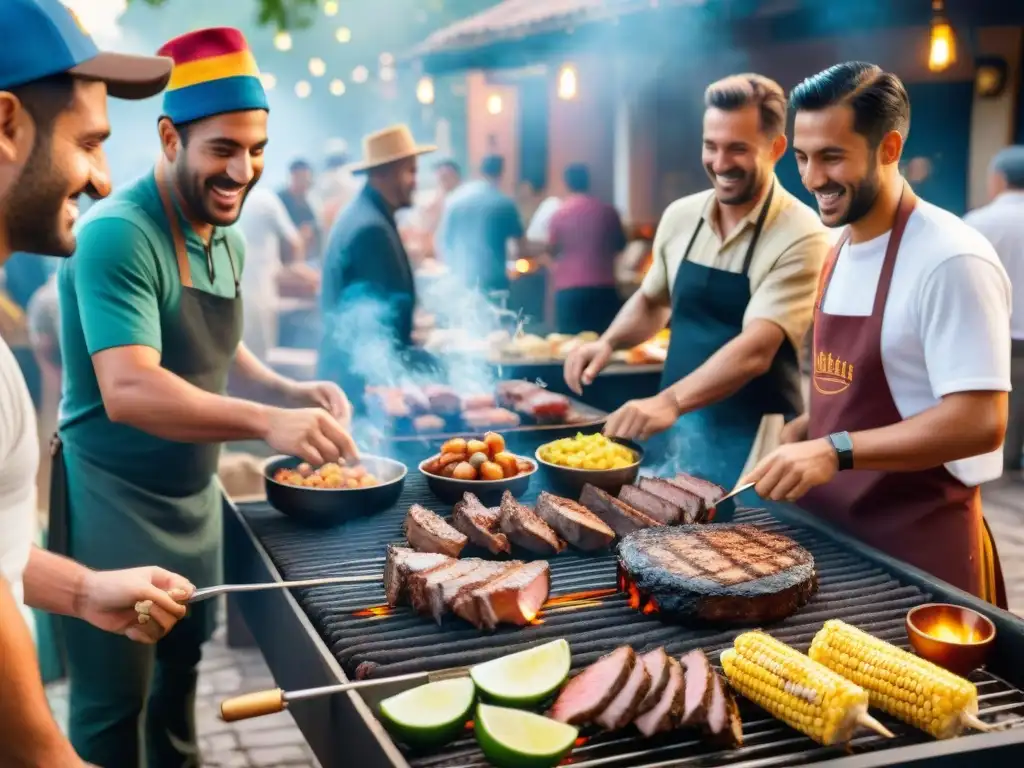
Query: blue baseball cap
[[44, 38]]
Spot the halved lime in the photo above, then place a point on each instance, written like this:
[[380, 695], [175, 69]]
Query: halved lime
[[525, 678], [512, 738], [431, 714]]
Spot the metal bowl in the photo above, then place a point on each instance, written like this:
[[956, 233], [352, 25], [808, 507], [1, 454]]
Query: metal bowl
[[568, 481], [333, 506], [450, 490], [951, 636]]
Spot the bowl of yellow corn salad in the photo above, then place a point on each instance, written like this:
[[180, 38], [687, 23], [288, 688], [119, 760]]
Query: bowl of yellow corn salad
[[572, 462]]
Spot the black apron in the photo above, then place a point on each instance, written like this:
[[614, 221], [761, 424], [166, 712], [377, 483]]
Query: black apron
[[708, 306]]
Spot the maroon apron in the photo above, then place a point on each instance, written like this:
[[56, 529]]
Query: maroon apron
[[928, 518]]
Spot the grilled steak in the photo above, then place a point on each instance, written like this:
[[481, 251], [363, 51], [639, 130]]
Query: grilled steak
[[515, 597], [656, 663], [479, 523], [422, 584], [401, 562], [664, 716], [574, 522], [699, 686], [441, 595], [617, 514], [427, 532], [723, 722], [524, 528], [444, 401], [703, 488], [665, 512], [479, 402], [692, 505], [586, 695], [623, 707], [722, 574]]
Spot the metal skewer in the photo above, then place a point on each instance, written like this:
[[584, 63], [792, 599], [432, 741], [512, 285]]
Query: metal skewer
[[734, 492], [205, 594]]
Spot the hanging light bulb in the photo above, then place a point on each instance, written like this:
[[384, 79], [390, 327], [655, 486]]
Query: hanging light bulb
[[360, 74], [330, 8], [942, 51], [343, 34], [317, 67], [567, 82], [387, 74], [425, 90], [269, 81], [494, 105], [337, 87], [386, 59], [303, 89], [283, 41]]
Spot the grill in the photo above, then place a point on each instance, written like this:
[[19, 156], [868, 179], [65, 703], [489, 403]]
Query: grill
[[368, 640]]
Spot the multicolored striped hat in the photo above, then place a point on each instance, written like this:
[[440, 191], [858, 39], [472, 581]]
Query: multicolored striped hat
[[214, 72]]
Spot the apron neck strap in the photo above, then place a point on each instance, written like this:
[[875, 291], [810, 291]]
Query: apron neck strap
[[758, 229], [180, 251]]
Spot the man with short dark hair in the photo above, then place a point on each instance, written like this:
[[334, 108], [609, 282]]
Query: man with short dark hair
[[911, 362], [296, 199], [1002, 222], [734, 273]]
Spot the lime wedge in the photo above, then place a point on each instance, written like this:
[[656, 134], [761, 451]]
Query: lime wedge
[[430, 715], [525, 678], [512, 738]]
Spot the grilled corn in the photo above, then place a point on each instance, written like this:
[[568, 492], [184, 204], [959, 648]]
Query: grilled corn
[[906, 686], [802, 693]]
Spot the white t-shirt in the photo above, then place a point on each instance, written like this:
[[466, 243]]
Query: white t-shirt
[[540, 225], [946, 325], [1002, 223], [19, 462]]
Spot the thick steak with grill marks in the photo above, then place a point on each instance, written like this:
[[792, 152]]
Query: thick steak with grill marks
[[401, 563], [574, 522], [665, 512], [428, 532], [730, 574], [692, 505], [524, 528], [480, 524], [617, 514]]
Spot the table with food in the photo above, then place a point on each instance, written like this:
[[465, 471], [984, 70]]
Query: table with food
[[527, 599]]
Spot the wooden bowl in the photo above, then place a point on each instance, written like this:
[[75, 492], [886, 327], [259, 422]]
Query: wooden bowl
[[450, 490], [955, 638], [569, 481]]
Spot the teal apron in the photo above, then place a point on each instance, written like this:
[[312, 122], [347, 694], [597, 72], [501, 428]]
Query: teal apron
[[708, 305], [106, 522]]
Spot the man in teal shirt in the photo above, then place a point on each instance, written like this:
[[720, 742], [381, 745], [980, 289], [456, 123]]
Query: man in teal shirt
[[151, 322]]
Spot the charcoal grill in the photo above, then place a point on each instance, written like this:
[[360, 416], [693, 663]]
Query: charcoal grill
[[326, 635]]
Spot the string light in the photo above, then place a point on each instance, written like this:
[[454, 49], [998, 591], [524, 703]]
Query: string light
[[343, 34], [269, 81], [425, 91], [283, 41], [360, 74], [387, 74], [494, 105], [330, 8], [303, 89], [317, 67], [386, 59], [337, 87], [567, 82]]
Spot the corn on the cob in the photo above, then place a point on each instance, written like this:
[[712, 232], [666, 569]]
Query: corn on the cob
[[906, 686], [802, 693]]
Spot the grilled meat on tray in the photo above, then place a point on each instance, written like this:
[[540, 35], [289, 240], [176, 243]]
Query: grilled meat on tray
[[694, 510], [623, 708], [525, 529], [480, 524], [617, 514], [588, 694], [718, 574], [665, 512], [515, 597], [574, 522], [664, 716], [401, 563], [428, 532], [656, 663]]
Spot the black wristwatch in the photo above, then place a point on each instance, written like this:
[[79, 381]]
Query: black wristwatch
[[844, 449]]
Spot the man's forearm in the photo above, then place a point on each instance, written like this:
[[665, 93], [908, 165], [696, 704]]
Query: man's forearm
[[29, 737], [639, 319], [53, 583], [962, 425], [251, 368]]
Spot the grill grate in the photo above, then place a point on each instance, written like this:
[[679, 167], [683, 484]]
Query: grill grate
[[378, 642]]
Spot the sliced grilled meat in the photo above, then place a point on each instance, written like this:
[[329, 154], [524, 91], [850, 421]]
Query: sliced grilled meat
[[720, 574], [428, 532], [524, 528], [688, 501], [514, 598], [707, 490], [653, 506], [574, 522], [656, 663], [699, 687], [401, 563], [664, 716], [623, 707], [422, 584], [617, 514], [442, 595], [723, 722], [588, 694], [480, 523]]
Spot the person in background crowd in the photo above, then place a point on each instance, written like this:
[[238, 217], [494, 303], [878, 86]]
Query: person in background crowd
[[54, 85], [539, 230], [734, 272], [911, 347], [366, 260], [478, 225], [584, 237], [337, 185], [44, 336], [151, 323], [296, 197], [1002, 222], [449, 177]]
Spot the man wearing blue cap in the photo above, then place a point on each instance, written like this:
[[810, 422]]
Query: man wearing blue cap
[[151, 323], [53, 122]]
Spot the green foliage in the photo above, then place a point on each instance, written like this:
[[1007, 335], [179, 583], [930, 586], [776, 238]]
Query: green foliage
[[281, 14]]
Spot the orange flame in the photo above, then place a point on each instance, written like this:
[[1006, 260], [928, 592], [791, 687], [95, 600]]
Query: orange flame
[[637, 599], [589, 595], [375, 612]]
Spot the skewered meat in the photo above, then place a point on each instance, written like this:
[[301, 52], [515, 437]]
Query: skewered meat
[[699, 684], [653, 506], [588, 694], [718, 574], [515, 597], [403, 562], [441, 595], [656, 663], [664, 716], [574, 522], [525, 529], [707, 490], [427, 532], [694, 510], [624, 706], [480, 524], [422, 584], [617, 514], [428, 424]]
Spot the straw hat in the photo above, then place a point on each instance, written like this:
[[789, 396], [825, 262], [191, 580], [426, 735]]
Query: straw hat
[[388, 146]]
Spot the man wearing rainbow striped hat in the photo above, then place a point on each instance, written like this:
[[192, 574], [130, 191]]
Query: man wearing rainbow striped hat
[[151, 326]]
